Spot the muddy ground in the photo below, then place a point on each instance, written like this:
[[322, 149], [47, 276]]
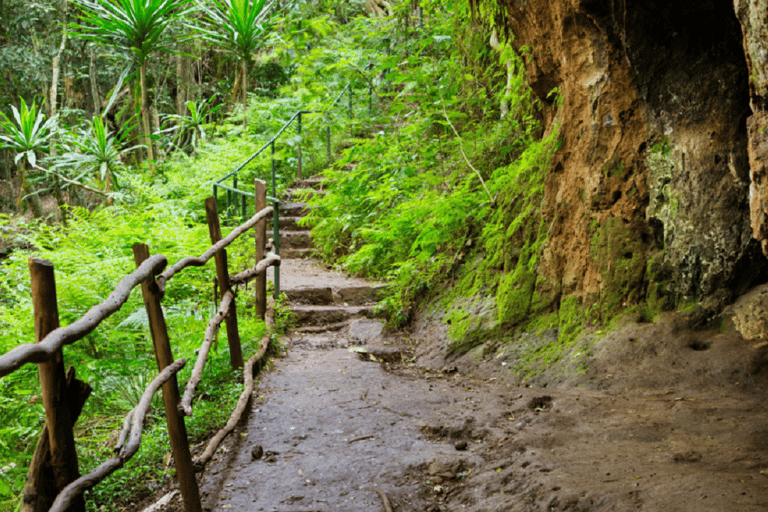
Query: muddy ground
[[666, 420]]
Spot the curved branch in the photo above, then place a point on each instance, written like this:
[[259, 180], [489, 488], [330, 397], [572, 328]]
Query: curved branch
[[185, 407], [242, 402], [47, 347], [261, 267], [192, 261], [137, 415]]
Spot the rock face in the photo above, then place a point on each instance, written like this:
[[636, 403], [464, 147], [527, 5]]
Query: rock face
[[660, 182]]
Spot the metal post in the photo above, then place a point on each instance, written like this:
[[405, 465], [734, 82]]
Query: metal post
[[274, 186], [298, 132], [235, 199], [276, 237]]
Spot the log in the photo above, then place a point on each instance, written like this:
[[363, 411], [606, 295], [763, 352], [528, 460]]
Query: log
[[136, 428], [222, 273], [260, 194], [40, 487], [237, 414], [185, 407], [176, 429], [53, 383], [271, 259], [47, 347]]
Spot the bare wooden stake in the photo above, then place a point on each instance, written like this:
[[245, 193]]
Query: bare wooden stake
[[260, 191], [58, 419], [233, 335], [177, 431]]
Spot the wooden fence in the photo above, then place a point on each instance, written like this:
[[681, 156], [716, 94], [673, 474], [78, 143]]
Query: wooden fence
[[53, 480]]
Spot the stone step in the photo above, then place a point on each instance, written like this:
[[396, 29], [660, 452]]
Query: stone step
[[295, 254], [325, 328], [292, 209], [291, 224], [318, 296], [304, 194], [319, 315], [295, 240], [313, 182], [359, 295]]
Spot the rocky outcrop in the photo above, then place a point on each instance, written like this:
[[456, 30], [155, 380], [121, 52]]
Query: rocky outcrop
[[660, 182]]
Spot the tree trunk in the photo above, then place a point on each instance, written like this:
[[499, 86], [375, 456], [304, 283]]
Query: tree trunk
[[93, 79], [145, 115], [32, 199], [244, 72], [185, 83]]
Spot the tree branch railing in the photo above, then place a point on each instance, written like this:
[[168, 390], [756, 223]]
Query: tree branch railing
[[53, 481]]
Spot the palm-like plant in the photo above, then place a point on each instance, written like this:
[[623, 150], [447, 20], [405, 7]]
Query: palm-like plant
[[193, 123], [97, 152], [138, 26], [28, 134], [237, 27]]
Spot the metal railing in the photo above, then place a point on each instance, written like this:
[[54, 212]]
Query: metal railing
[[237, 199]]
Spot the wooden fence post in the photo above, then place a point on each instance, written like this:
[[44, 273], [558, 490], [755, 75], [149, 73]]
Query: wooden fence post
[[58, 420], [233, 335], [177, 431], [260, 191]]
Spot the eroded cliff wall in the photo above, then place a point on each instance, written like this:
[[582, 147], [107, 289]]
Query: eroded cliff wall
[[661, 180]]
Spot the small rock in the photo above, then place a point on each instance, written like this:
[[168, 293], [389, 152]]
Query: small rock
[[460, 445], [257, 452]]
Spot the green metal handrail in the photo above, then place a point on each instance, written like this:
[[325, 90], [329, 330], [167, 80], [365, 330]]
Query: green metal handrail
[[237, 197]]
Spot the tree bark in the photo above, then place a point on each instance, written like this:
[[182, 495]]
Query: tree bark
[[185, 83], [244, 72], [32, 199], [145, 115], [93, 79]]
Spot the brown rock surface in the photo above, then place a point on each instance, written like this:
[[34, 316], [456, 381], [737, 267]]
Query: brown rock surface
[[655, 97]]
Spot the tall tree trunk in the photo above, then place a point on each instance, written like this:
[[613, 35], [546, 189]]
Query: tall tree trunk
[[145, 115], [244, 72], [35, 204], [25, 189], [93, 79], [185, 83]]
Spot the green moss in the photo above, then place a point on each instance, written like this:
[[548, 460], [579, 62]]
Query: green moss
[[614, 169], [619, 255], [571, 320]]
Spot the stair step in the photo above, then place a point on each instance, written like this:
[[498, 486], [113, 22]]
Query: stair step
[[310, 295], [304, 194], [318, 315], [359, 295], [295, 240], [295, 254], [292, 209], [316, 329], [291, 224], [313, 182]]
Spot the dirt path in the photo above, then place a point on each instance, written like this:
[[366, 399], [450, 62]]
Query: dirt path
[[665, 420]]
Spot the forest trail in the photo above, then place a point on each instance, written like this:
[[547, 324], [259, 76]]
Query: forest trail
[[346, 420]]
